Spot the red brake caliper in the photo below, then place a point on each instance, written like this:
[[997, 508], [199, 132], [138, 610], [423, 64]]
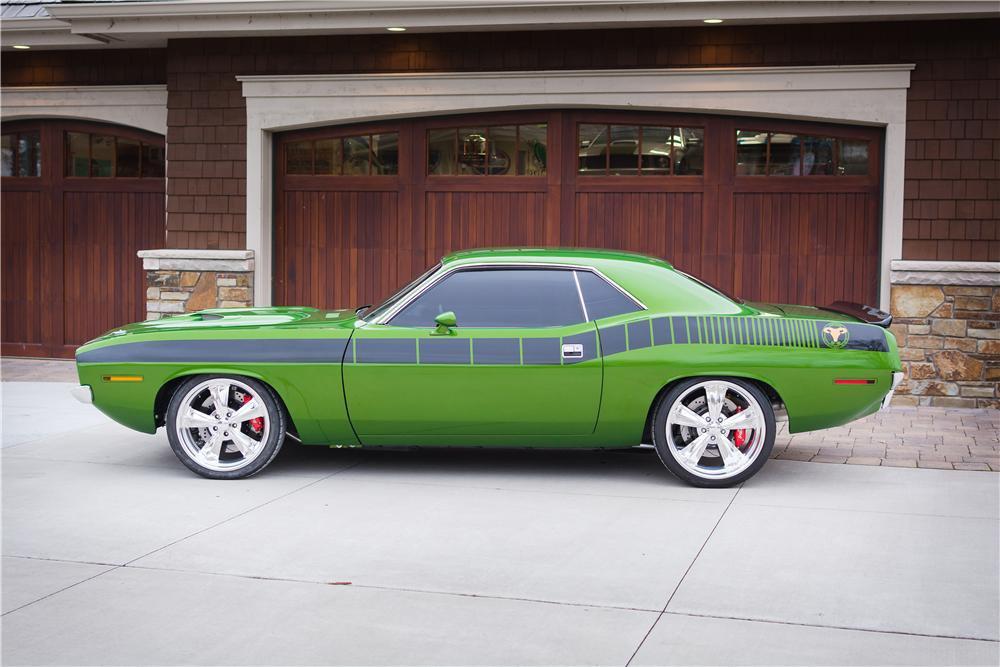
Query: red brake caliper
[[740, 435], [257, 423]]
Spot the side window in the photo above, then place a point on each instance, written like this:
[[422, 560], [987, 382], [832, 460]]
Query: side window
[[498, 298], [602, 299]]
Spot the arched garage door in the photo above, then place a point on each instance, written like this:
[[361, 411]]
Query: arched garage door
[[771, 210], [79, 199]]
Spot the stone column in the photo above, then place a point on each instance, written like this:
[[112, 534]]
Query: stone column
[[946, 318], [185, 281]]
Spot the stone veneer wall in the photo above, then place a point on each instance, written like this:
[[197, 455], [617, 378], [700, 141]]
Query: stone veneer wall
[[185, 281], [946, 318]]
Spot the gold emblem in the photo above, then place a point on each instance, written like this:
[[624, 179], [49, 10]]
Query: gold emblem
[[835, 335]]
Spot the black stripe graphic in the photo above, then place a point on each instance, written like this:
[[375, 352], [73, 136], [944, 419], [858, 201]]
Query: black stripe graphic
[[680, 329], [694, 330], [541, 351], [661, 331], [386, 351], [613, 340], [486, 351], [638, 335], [444, 351], [263, 350]]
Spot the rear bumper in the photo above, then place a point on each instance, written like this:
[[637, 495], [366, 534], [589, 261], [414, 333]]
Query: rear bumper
[[83, 393], [897, 377]]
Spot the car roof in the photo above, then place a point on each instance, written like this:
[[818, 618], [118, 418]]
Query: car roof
[[569, 255]]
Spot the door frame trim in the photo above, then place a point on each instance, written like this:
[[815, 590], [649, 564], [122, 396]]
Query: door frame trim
[[860, 94]]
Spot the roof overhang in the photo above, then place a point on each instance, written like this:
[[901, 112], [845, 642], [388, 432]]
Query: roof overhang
[[151, 23]]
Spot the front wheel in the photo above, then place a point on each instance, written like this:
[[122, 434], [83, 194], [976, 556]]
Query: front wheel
[[225, 427], [714, 432]]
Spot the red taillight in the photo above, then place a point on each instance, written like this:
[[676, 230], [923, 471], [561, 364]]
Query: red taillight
[[852, 381]]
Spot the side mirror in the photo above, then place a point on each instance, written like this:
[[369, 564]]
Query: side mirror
[[445, 321]]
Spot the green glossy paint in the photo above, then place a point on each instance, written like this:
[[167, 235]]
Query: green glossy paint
[[345, 381]]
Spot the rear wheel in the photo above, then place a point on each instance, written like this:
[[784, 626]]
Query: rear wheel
[[225, 427], [714, 432]]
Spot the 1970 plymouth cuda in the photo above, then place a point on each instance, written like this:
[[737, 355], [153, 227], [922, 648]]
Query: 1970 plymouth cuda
[[505, 348]]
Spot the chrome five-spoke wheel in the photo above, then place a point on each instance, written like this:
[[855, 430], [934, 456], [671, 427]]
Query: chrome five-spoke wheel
[[224, 427], [714, 431]]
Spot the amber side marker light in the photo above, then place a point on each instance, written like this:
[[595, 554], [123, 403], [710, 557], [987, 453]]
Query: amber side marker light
[[123, 378], [852, 381]]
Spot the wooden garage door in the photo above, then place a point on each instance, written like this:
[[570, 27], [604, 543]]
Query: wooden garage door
[[79, 200], [771, 210]]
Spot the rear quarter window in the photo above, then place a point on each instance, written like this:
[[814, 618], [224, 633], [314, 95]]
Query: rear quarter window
[[603, 299]]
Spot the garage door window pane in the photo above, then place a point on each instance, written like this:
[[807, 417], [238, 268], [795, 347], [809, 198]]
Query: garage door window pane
[[102, 156], [7, 155], [29, 154], [853, 159], [77, 154], [386, 154], [498, 298], [298, 157], [657, 143], [127, 158], [502, 149], [329, 156], [784, 155], [441, 151], [357, 154], [751, 152], [689, 151], [624, 149], [154, 161], [817, 156], [472, 151], [593, 150], [533, 151]]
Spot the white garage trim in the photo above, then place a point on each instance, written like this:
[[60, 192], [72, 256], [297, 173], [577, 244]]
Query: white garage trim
[[142, 107], [863, 94]]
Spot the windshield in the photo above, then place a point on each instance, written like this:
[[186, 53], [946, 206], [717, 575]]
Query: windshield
[[718, 291], [394, 299]]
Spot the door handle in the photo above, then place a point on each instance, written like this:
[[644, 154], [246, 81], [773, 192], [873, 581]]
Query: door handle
[[572, 351]]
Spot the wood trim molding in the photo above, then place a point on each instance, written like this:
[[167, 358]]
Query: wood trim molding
[[143, 107], [872, 95]]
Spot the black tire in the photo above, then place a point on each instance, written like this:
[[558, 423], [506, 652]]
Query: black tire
[[663, 447], [275, 416]]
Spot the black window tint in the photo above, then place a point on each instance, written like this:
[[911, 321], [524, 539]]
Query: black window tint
[[498, 298], [602, 299]]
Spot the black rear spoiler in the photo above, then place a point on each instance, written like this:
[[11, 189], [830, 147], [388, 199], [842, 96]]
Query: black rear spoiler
[[867, 314]]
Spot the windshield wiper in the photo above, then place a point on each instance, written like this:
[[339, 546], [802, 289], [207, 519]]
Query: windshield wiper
[[361, 309]]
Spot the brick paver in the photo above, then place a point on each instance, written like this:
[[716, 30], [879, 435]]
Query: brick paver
[[903, 437], [906, 437]]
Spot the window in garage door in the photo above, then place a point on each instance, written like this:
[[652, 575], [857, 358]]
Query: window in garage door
[[21, 154]]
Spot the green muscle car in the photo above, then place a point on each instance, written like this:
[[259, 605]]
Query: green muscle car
[[504, 348]]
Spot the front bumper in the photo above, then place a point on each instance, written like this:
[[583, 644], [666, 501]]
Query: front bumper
[[83, 393], [897, 377]]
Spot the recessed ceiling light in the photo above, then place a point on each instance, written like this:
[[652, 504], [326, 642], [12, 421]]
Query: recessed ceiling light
[[21, 46], [396, 29], [712, 21]]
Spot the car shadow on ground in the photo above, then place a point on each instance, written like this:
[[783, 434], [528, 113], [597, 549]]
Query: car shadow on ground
[[475, 463]]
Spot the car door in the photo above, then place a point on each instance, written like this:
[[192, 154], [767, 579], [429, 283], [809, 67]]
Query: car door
[[523, 360]]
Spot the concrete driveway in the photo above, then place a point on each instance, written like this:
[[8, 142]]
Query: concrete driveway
[[113, 553]]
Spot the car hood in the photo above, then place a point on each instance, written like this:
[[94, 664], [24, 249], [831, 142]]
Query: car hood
[[216, 319]]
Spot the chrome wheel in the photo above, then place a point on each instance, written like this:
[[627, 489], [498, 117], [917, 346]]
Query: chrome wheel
[[222, 424], [715, 429]]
